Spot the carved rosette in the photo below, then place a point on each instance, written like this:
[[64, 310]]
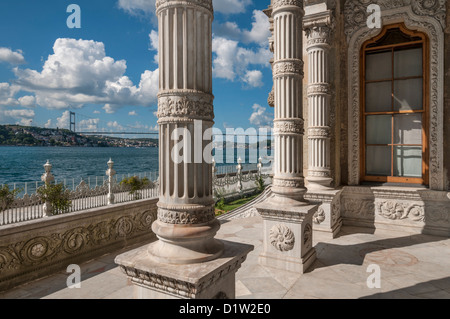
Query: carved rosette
[[319, 216], [188, 216], [307, 236], [271, 99], [282, 238], [189, 106]]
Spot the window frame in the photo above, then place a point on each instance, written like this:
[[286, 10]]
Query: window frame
[[424, 42]]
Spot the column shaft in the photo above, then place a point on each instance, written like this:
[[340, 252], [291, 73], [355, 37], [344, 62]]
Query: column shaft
[[186, 223], [288, 76], [319, 131]]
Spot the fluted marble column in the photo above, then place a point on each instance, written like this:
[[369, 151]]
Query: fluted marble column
[[287, 217], [186, 223], [288, 179], [187, 262], [319, 132]]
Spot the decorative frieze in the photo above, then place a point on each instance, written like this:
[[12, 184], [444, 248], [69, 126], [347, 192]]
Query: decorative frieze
[[289, 127], [186, 217], [286, 67], [166, 4], [192, 106]]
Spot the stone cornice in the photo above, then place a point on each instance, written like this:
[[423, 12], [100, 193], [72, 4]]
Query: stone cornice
[[167, 4]]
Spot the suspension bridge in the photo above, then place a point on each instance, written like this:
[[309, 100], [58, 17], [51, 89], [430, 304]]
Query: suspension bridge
[[82, 124]]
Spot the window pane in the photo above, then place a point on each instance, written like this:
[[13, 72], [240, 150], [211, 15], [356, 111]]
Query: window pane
[[407, 161], [408, 63], [378, 129], [379, 66], [378, 160], [379, 97], [408, 129], [408, 95]]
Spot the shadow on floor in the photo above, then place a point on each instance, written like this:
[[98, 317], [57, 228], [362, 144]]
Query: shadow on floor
[[331, 254], [432, 289]]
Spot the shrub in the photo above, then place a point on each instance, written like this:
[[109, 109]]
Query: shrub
[[57, 196], [135, 184], [7, 197]]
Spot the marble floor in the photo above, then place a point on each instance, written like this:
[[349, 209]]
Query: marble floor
[[412, 266]]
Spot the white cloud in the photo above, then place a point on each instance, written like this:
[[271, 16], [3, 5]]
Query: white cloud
[[231, 6], [27, 101], [154, 44], [260, 31], [136, 7], [64, 120], [96, 112], [48, 124], [7, 93], [116, 126], [88, 125], [253, 78], [132, 113], [232, 62], [79, 72], [9, 56], [260, 117], [16, 116]]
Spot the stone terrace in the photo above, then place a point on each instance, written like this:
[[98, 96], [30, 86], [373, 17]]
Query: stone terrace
[[412, 266]]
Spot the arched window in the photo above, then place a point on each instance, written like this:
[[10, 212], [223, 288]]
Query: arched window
[[394, 106]]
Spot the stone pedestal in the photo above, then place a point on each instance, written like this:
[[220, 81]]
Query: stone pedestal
[[327, 218], [210, 280], [288, 235], [287, 216], [187, 261]]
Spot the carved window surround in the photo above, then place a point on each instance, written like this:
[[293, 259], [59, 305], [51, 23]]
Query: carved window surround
[[415, 15]]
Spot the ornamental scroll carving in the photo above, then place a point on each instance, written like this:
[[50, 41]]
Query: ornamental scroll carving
[[46, 249], [289, 127], [195, 106], [280, 3], [398, 211], [186, 217], [282, 238], [356, 11], [288, 183], [282, 67]]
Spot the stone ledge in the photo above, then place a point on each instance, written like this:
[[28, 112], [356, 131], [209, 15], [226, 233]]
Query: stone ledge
[[193, 281]]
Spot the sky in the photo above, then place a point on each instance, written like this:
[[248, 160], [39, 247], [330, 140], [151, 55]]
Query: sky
[[106, 71]]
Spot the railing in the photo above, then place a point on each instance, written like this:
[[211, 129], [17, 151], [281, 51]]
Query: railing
[[95, 192]]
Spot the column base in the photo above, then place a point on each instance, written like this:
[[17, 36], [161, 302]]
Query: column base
[[327, 219], [319, 183], [297, 265], [209, 280], [288, 235]]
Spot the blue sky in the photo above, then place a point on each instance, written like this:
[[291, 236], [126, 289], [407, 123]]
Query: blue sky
[[107, 70]]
